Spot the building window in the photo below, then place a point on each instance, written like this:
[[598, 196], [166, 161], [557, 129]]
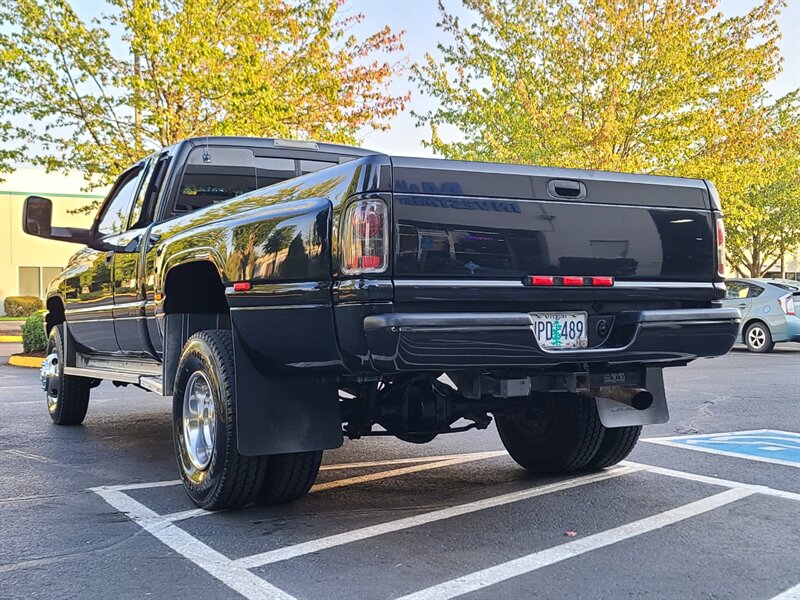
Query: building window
[[794, 275], [33, 281], [29, 284]]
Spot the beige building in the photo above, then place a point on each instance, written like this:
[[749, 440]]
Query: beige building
[[27, 263]]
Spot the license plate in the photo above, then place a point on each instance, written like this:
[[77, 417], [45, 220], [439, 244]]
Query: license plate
[[556, 331]]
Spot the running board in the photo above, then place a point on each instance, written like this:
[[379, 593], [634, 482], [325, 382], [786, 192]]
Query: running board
[[152, 384], [143, 373]]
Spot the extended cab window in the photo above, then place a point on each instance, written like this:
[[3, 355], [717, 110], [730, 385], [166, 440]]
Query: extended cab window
[[118, 208], [214, 174]]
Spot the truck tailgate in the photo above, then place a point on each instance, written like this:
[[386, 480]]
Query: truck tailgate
[[486, 221]]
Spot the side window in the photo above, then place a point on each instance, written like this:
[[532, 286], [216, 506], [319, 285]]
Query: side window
[[754, 291], [118, 208], [735, 290], [138, 203]]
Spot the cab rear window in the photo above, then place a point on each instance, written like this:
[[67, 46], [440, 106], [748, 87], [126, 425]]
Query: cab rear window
[[213, 174]]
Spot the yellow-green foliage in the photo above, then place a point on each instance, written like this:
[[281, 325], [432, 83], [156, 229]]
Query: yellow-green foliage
[[652, 86], [22, 306], [188, 68]]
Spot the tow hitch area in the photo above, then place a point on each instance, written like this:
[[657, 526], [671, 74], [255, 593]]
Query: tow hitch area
[[418, 408]]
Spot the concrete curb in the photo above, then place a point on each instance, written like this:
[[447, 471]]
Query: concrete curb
[[15, 339], [32, 362]]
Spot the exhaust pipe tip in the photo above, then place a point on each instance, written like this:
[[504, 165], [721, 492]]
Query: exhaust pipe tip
[[637, 398], [642, 400]]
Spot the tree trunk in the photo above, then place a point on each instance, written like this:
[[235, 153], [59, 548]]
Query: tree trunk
[[783, 258]]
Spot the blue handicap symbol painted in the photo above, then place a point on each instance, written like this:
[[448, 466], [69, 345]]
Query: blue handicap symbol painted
[[765, 445]]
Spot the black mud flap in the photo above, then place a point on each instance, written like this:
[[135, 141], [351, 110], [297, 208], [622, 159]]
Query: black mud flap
[[615, 414], [283, 414]]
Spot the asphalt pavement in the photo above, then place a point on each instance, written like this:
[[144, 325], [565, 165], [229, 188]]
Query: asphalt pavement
[[94, 511]]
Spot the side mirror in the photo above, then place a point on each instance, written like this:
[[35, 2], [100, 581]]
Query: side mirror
[[37, 216]]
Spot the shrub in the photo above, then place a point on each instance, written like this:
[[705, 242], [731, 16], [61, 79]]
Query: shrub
[[34, 338], [22, 306]]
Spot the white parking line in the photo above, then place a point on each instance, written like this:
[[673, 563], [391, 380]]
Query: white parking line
[[21, 402], [759, 489], [464, 458], [220, 567], [537, 560], [187, 514], [136, 486], [790, 594], [236, 574], [31, 456], [431, 462], [394, 461], [287, 552]]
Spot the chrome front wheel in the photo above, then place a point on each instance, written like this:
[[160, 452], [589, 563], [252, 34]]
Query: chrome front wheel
[[67, 395], [50, 380], [199, 421]]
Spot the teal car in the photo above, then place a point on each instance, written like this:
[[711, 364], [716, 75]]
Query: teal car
[[768, 311]]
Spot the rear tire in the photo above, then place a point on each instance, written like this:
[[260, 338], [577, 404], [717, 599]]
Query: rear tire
[[558, 433], [67, 395], [289, 477], [214, 474], [758, 338], [616, 446]]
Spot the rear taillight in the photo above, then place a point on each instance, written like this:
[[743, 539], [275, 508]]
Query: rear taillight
[[787, 304], [720, 247], [365, 238]]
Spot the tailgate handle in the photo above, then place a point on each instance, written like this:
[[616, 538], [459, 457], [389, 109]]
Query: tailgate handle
[[565, 188]]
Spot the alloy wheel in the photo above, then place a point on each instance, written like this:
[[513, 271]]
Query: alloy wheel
[[199, 421]]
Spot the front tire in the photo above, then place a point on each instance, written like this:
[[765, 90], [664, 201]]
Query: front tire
[[214, 474], [557, 433], [758, 338], [67, 395]]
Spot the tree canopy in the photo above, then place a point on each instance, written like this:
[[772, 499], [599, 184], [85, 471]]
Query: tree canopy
[[651, 86], [98, 95]]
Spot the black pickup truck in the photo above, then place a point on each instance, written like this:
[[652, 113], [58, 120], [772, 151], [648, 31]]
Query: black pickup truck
[[287, 294]]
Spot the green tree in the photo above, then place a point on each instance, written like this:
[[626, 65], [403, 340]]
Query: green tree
[[9, 153], [97, 96], [653, 86], [764, 221]]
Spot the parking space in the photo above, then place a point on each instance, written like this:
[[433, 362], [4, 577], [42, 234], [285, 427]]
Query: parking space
[[95, 511]]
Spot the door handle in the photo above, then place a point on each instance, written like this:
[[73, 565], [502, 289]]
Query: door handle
[[743, 305], [566, 188]]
